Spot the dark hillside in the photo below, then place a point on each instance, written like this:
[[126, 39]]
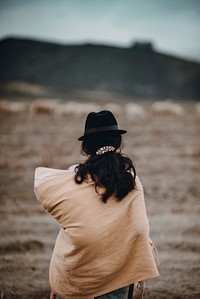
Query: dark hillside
[[138, 70]]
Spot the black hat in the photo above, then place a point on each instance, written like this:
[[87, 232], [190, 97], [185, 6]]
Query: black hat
[[99, 122]]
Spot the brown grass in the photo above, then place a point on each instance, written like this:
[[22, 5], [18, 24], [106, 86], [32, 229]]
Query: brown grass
[[166, 152]]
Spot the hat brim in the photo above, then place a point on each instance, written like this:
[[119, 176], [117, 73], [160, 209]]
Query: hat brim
[[95, 135]]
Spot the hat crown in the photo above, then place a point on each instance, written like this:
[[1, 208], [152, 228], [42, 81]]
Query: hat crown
[[102, 122], [99, 119]]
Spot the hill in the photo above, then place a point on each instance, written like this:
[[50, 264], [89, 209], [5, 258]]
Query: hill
[[138, 70]]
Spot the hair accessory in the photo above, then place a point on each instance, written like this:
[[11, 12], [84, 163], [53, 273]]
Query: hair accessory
[[105, 149]]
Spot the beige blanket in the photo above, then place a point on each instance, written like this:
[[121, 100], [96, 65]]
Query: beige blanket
[[100, 247]]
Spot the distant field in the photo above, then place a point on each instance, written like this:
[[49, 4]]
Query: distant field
[[166, 153]]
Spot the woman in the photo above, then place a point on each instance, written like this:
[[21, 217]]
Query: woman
[[103, 246]]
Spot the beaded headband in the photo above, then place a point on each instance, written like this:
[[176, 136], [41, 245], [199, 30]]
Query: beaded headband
[[105, 149]]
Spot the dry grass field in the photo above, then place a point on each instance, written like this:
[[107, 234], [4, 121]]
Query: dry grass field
[[166, 153]]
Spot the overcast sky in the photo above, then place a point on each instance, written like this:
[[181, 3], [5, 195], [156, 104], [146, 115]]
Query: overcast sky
[[172, 25]]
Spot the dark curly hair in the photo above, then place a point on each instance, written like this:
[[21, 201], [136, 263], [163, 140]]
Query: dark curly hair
[[112, 170]]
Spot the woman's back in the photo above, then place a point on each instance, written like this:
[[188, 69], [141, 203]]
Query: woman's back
[[96, 239]]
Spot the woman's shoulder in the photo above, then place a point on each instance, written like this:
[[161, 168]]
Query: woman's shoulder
[[138, 183], [43, 174], [42, 169]]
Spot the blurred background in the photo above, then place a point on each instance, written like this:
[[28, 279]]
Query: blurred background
[[59, 60], [141, 48]]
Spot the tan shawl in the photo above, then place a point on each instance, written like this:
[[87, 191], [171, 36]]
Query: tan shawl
[[100, 247]]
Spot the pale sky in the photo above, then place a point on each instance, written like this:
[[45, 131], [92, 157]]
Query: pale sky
[[172, 25]]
